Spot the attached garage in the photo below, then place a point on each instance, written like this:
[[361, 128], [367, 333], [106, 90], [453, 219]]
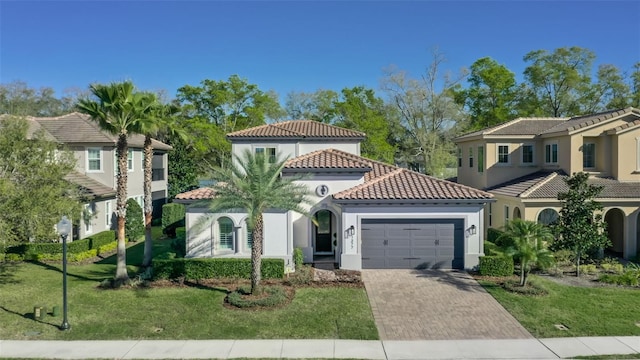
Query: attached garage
[[412, 243]]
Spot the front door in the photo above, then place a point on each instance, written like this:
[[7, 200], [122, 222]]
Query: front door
[[323, 232]]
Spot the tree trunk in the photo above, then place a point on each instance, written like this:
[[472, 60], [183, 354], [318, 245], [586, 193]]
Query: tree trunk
[[256, 255], [578, 264], [523, 274], [121, 209], [148, 204]]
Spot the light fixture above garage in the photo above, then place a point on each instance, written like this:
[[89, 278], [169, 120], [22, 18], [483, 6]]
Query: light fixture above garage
[[351, 231], [472, 230]]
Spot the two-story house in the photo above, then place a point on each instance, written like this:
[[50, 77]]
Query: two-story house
[[368, 214], [523, 163], [96, 169]]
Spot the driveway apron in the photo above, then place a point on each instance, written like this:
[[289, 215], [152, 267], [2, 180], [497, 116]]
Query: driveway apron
[[436, 305]]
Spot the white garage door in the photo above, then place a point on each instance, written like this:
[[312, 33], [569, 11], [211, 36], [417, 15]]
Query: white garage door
[[412, 243]]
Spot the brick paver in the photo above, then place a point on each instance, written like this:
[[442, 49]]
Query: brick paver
[[436, 305]]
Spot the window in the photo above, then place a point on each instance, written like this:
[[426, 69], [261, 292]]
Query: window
[[130, 160], [506, 213], [225, 226], [503, 154], [547, 216], [107, 213], [589, 155], [470, 157], [94, 159], [249, 239], [490, 214], [551, 153], [480, 159], [269, 152], [460, 157], [527, 154]]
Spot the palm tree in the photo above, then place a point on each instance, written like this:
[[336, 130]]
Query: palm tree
[[116, 108], [158, 121], [254, 184], [529, 244]]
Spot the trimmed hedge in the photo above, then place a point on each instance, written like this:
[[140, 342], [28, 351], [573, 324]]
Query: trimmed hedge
[[172, 217], [490, 249], [496, 266], [493, 235], [207, 268], [74, 247]]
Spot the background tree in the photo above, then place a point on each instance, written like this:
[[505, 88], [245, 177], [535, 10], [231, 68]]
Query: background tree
[[610, 92], [33, 191], [428, 110], [528, 241], [317, 106], [216, 108], [252, 184], [117, 108], [17, 98], [491, 95], [635, 86], [183, 167], [580, 227]]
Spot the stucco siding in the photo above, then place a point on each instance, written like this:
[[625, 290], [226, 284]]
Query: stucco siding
[[308, 147], [627, 148]]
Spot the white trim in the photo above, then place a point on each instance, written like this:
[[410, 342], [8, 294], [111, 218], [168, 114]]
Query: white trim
[[498, 163], [88, 226], [101, 160], [130, 161], [107, 213], [533, 154]]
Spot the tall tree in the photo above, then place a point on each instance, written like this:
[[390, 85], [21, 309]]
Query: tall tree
[[216, 108], [317, 106], [253, 184], [428, 110], [491, 95], [611, 91], [34, 194], [117, 107], [560, 80], [529, 244], [635, 86], [17, 98], [360, 109], [580, 226]]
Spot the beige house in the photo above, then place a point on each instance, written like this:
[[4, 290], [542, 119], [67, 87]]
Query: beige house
[[96, 168], [523, 163]]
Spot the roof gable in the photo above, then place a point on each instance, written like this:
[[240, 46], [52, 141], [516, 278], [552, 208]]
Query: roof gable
[[297, 129], [328, 159]]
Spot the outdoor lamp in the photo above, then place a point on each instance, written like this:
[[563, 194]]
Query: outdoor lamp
[[64, 229], [472, 230], [351, 231]]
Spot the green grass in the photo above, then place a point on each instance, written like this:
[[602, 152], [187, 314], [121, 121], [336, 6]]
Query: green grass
[[585, 311], [169, 312]]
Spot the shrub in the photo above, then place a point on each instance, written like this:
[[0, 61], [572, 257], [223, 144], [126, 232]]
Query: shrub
[[101, 238], [107, 248], [134, 227], [302, 276], [496, 266], [298, 257], [628, 278], [179, 246], [612, 268], [491, 249], [589, 269], [493, 234], [531, 289], [172, 218], [13, 257], [274, 296], [564, 257], [207, 268]]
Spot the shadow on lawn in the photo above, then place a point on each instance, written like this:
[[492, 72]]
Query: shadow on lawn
[[8, 273], [29, 316], [92, 275]]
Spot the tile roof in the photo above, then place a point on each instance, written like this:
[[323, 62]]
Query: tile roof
[[539, 126], [90, 186], [197, 194], [328, 159], [382, 182], [79, 128], [297, 129], [547, 185]]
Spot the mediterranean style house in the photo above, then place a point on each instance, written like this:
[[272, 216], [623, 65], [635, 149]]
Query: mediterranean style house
[[523, 162], [96, 168], [368, 214]]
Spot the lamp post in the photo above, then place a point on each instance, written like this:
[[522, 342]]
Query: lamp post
[[64, 229]]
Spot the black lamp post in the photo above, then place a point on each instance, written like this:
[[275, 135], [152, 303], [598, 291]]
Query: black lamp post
[[64, 229]]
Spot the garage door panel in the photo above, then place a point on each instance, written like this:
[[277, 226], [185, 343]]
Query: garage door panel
[[400, 243]]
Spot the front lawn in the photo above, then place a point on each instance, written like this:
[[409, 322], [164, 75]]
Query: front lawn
[[602, 311], [167, 312]]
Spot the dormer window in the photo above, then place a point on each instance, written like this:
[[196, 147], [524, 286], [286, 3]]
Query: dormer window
[[269, 152]]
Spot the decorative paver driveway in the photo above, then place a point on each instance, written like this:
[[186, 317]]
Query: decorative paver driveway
[[436, 305]]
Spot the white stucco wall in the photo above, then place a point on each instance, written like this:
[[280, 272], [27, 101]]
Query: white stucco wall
[[308, 147]]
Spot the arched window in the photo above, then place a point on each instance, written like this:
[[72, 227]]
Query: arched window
[[516, 213], [547, 216], [225, 226]]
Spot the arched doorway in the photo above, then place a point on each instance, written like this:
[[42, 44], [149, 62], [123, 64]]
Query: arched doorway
[[516, 213], [323, 232], [615, 230]]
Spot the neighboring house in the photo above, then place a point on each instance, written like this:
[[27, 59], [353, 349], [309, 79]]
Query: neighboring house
[[523, 164], [96, 168], [369, 214]]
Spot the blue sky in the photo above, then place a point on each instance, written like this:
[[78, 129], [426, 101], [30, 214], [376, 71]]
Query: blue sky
[[293, 45]]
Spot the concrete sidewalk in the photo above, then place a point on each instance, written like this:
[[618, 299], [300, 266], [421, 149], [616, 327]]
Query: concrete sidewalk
[[331, 349]]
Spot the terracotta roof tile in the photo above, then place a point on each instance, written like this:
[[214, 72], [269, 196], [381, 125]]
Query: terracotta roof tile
[[297, 129], [519, 126], [328, 159], [197, 194], [547, 185], [580, 122]]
